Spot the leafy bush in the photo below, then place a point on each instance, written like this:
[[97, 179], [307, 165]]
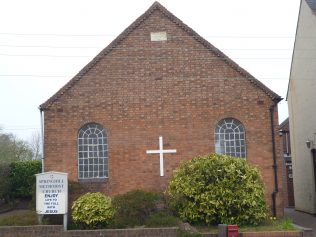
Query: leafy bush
[[133, 208], [217, 189], [92, 210], [22, 177], [5, 190], [161, 219]]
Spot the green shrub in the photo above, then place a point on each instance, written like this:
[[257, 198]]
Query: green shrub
[[161, 219], [22, 177], [133, 208], [217, 189], [92, 210], [5, 190]]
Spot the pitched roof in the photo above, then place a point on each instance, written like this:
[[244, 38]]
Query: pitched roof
[[285, 122], [134, 25], [312, 5]]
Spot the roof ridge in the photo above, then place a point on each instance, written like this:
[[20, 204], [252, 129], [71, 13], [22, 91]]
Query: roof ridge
[[220, 54], [156, 6], [285, 121]]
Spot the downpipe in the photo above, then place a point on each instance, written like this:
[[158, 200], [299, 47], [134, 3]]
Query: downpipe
[[275, 165]]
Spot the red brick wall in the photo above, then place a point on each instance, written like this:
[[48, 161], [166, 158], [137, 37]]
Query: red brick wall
[[31, 231], [288, 172], [57, 231], [143, 89], [286, 142]]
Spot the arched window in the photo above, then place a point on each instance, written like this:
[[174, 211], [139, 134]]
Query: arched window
[[92, 152], [230, 138]]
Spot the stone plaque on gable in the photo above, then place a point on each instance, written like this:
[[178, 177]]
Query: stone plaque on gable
[[158, 36]]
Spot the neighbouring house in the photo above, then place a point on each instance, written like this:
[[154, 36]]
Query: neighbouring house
[[302, 115], [160, 94], [284, 132]]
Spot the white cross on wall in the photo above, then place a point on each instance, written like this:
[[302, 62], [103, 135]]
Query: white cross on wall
[[161, 151]]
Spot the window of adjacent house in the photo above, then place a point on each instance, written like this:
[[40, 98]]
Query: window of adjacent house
[[230, 138], [92, 152]]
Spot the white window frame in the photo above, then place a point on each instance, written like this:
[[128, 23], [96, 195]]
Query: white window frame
[[230, 138], [92, 152]]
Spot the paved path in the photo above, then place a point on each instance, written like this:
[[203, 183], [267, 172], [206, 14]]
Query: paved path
[[301, 218]]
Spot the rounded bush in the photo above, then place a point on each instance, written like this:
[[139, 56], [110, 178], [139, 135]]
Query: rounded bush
[[217, 189], [92, 210], [133, 208]]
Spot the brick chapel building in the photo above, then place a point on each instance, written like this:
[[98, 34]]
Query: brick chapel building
[[159, 78]]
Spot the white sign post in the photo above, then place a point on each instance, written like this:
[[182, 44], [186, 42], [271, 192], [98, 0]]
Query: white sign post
[[52, 194], [161, 151]]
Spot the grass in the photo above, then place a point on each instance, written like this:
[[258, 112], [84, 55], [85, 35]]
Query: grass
[[19, 219], [285, 224], [183, 233], [28, 217]]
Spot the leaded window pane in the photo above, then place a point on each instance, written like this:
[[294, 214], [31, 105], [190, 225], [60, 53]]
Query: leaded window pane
[[92, 152], [230, 138]]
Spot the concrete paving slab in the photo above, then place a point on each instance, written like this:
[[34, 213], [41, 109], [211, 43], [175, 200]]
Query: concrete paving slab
[[301, 218]]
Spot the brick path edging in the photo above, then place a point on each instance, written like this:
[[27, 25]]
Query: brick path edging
[[57, 231]]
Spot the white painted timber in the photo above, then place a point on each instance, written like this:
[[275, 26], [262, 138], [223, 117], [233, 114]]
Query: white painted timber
[[161, 151], [51, 193]]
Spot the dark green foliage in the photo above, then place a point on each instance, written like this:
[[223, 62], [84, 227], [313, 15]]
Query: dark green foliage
[[133, 208], [17, 179], [22, 177], [217, 189], [11, 149], [32, 203], [5, 190], [161, 219]]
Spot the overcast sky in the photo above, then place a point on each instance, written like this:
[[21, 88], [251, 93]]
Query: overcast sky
[[43, 44]]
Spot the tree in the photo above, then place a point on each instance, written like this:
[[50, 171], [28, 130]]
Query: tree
[[35, 145], [13, 149]]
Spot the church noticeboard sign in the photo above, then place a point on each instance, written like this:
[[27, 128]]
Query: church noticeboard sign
[[51, 193]]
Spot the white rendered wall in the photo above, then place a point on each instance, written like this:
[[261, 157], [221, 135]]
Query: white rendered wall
[[302, 109]]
